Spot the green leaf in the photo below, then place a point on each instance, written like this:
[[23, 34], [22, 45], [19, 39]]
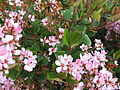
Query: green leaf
[[116, 70], [67, 14], [116, 55], [65, 38], [76, 17], [62, 75], [86, 39], [70, 80], [60, 52], [84, 21], [80, 28], [13, 74], [90, 33], [31, 9], [75, 38], [44, 61], [96, 15], [76, 54], [42, 77], [53, 76], [35, 47]]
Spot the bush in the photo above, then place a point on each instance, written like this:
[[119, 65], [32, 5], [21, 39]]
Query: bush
[[58, 44]]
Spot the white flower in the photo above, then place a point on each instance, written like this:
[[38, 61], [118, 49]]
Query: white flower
[[28, 68], [52, 50], [17, 52], [79, 86], [44, 21], [53, 1], [116, 62], [7, 38], [84, 47]]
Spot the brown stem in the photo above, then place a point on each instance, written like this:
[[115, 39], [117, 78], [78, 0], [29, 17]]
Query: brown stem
[[89, 14], [100, 27]]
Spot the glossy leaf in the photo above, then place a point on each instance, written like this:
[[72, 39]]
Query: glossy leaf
[[86, 39], [53, 76], [116, 55], [75, 38], [80, 28], [66, 37]]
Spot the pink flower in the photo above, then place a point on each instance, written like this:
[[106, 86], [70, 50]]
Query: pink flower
[[29, 59], [32, 17], [15, 2], [1, 33], [12, 14], [17, 28], [80, 86], [3, 50], [7, 38], [44, 21], [84, 47], [29, 64], [2, 77], [44, 40], [63, 62], [89, 65], [61, 32], [53, 41], [52, 50], [98, 44], [53, 1]]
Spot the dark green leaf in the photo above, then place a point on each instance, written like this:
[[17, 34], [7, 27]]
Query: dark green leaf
[[70, 80], [116, 55], [53, 76], [75, 38], [13, 74], [66, 37], [86, 39], [80, 28]]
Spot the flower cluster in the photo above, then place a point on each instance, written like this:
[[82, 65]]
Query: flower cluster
[[10, 34], [113, 28], [52, 41], [27, 57], [7, 83], [104, 80], [90, 64]]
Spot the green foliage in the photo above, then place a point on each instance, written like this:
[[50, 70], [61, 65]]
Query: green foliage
[[116, 55], [86, 39], [82, 20], [72, 39], [67, 14], [13, 74], [75, 38], [96, 15], [80, 28], [70, 80], [66, 37], [56, 77]]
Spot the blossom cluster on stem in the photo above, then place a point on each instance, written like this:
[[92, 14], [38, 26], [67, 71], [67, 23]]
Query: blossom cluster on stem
[[10, 34], [52, 41], [92, 64]]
